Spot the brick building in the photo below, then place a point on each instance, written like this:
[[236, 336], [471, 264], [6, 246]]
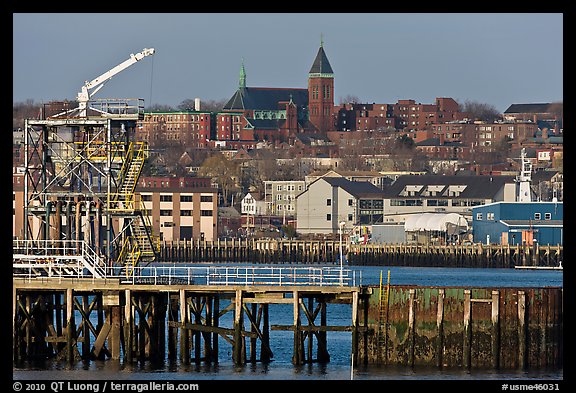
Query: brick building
[[188, 128], [180, 207], [404, 115]]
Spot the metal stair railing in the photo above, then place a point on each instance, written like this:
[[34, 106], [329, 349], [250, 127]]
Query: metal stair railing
[[124, 199]]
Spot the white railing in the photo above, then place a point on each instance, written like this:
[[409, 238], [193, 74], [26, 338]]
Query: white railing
[[236, 275], [56, 258], [33, 259]]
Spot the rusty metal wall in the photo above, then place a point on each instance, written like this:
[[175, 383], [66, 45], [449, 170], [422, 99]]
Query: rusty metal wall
[[499, 328]]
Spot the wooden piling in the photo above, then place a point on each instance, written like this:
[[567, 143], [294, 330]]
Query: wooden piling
[[128, 327], [265, 341], [297, 355], [238, 324], [440, 327], [411, 327], [184, 343], [467, 344], [70, 326], [355, 327], [495, 329]]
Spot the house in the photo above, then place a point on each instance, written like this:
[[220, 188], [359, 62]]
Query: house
[[330, 202], [253, 204], [513, 223]]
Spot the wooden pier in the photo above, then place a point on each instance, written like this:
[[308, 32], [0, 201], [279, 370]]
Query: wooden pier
[[327, 251], [453, 327], [56, 318]]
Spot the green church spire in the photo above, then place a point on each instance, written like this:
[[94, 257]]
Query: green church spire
[[242, 83]]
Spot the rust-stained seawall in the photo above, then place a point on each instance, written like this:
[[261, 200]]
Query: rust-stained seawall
[[501, 328]]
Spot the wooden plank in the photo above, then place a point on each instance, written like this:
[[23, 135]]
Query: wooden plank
[[101, 339]]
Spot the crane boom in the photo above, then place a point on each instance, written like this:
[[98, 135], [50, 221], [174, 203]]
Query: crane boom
[[90, 88]]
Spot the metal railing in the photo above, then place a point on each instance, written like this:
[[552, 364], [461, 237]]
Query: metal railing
[[56, 258], [34, 259], [237, 275]]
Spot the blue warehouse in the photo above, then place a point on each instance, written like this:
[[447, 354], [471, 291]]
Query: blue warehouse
[[518, 223]]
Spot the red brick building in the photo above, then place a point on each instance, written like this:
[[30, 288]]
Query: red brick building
[[404, 115], [189, 128]]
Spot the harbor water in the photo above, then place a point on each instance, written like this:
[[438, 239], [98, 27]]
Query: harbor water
[[340, 366]]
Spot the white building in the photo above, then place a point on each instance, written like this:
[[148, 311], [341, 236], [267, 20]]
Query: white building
[[329, 201], [253, 204]]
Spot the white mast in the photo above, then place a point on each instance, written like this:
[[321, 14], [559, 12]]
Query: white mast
[[524, 192]]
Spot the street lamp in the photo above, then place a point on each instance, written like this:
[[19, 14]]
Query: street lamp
[[340, 230]]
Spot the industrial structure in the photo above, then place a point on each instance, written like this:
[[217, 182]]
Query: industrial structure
[[81, 168]]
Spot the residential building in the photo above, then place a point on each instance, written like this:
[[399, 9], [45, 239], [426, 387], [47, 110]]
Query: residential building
[[373, 177], [253, 204], [545, 115], [280, 196], [513, 223], [413, 194], [329, 201], [180, 209], [187, 128]]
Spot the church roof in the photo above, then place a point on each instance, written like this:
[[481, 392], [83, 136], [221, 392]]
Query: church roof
[[264, 98], [321, 64]]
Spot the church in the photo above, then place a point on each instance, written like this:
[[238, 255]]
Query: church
[[276, 115]]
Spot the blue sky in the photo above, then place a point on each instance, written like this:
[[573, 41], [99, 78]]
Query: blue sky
[[494, 58]]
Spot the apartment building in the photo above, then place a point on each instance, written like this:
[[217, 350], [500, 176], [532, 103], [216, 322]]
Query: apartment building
[[188, 128], [180, 208], [413, 194], [280, 196]]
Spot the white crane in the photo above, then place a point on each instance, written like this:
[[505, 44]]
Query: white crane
[[92, 87]]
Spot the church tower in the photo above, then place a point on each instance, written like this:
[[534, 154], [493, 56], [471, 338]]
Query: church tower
[[321, 91]]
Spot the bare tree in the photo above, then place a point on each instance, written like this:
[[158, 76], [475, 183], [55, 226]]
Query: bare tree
[[213, 105], [159, 108], [224, 171], [480, 111], [348, 99]]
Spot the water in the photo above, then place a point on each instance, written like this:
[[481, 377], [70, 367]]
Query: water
[[339, 343]]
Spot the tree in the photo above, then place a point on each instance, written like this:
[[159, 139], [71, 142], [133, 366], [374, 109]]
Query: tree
[[187, 105], [225, 172], [159, 108], [289, 231], [213, 105], [348, 99], [480, 111]]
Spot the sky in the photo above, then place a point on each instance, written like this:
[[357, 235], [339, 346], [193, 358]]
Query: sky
[[498, 59]]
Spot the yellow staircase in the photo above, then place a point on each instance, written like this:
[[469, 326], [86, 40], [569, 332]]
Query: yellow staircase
[[140, 245]]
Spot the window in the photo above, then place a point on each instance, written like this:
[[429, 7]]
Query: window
[[165, 198], [328, 202], [146, 198], [165, 213], [490, 216], [479, 216], [349, 217], [185, 213], [279, 188], [185, 198], [547, 216], [206, 213], [328, 217], [206, 198], [537, 216], [350, 202]]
